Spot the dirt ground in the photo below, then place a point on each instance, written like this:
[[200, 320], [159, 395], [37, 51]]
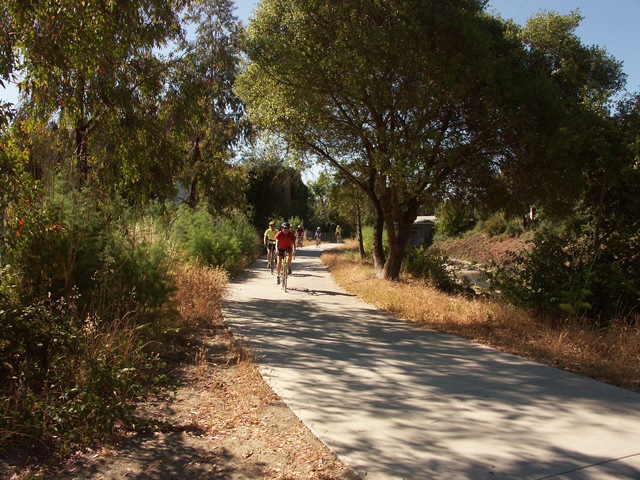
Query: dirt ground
[[223, 422], [481, 249]]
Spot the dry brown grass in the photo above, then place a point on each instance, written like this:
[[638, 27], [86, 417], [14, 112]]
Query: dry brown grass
[[199, 292], [611, 355]]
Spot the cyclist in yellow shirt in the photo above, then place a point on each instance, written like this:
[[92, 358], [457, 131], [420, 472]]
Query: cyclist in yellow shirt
[[270, 241]]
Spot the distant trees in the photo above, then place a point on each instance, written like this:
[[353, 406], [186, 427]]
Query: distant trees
[[412, 102], [206, 115], [274, 191]]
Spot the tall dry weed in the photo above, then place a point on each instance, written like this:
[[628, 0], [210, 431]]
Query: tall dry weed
[[199, 293], [611, 354]]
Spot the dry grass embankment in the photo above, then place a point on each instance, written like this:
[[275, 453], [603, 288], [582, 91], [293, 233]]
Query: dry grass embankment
[[610, 355]]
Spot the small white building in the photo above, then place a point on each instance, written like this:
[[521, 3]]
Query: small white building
[[422, 231]]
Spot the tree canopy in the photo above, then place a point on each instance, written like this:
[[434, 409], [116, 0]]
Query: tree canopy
[[411, 101]]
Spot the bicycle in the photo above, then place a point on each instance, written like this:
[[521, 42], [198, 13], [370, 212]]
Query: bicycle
[[285, 272], [317, 240], [274, 257]]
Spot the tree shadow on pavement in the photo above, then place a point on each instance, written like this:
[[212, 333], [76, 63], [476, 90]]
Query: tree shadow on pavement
[[393, 399]]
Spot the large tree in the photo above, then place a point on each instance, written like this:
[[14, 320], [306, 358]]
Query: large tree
[[206, 113], [409, 100], [81, 60]]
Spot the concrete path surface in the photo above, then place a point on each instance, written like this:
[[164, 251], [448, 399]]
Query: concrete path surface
[[397, 401]]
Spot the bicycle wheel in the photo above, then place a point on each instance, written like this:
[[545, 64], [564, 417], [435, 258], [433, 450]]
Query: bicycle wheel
[[272, 264], [285, 274]]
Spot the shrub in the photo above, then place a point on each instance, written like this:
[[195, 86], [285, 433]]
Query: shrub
[[495, 225], [564, 272], [227, 242], [453, 218], [430, 264], [367, 240], [83, 286]]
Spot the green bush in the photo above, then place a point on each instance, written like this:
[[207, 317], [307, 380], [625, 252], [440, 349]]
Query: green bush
[[564, 272], [367, 240], [81, 286], [227, 242], [495, 225], [430, 264], [454, 217]]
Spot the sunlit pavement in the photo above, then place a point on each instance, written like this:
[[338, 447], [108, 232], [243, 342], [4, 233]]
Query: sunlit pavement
[[397, 401]]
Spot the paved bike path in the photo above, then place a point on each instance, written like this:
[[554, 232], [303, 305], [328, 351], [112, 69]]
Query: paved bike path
[[397, 401]]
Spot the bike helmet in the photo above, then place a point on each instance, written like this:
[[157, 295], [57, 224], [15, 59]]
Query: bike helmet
[[318, 228], [299, 226], [285, 225], [271, 223]]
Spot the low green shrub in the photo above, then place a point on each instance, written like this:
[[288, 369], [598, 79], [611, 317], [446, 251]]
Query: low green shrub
[[454, 217], [495, 225], [429, 263], [227, 242], [82, 292], [564, 272]]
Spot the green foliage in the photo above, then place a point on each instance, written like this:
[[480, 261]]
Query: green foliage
[[83, 289], [495, 225], [227, 242], [66, 380], [276, 191], [564, 272], [454, 217], [514, 229], [429, 263], [367, 240], [295, 221]]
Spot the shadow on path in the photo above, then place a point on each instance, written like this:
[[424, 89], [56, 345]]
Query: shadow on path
[[398, 401]]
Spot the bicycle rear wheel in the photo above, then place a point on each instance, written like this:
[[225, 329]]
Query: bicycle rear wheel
[[285, 275]]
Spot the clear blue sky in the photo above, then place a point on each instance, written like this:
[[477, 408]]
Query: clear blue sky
[[612, 24]]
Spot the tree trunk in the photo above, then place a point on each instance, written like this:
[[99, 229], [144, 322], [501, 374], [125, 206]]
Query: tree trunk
[[193, 194], [377, 247], [359, 223], [397, 239]]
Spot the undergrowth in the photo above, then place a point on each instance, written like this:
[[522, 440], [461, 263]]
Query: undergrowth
[[92, 298]]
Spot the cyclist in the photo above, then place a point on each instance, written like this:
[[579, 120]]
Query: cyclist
[[318, 236], [285, 244], [269, 240], [300, 235], [338, 234]]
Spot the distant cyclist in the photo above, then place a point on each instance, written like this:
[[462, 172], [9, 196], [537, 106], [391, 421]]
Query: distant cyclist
[[300, 235], [338, 234], [285, 244], [318, 236], [269, 241]]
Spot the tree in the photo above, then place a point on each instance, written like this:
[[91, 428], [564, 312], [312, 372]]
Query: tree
[[275, 190], [80, 60], [206, 112], [408, 100], [352, 206]]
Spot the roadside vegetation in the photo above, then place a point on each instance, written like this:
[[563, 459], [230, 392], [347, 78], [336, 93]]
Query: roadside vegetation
[[93, 304]]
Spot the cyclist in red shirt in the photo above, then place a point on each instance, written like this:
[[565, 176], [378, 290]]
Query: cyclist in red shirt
[[285, 243]]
